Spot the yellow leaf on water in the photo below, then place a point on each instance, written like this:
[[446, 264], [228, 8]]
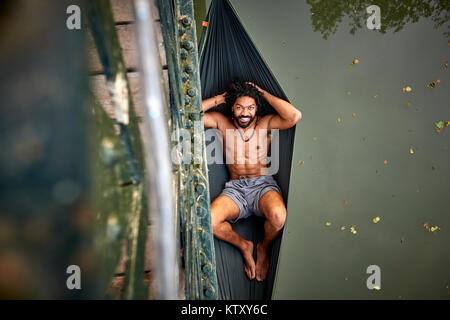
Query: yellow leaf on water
[[354, 114], [411, 150], [343, 228], [314, 138], [376, 219], [339, 119], [328, 223], [385, 161], [435, 228], [345, 201], [354, 62], [377, 288]]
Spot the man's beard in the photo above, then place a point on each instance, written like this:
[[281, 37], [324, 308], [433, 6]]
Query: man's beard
[[244, 125]]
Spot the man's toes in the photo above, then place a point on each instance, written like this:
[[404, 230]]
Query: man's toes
[[260, 277], [250, 273]]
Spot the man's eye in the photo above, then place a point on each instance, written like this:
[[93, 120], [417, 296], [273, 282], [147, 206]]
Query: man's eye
[[250, 108]]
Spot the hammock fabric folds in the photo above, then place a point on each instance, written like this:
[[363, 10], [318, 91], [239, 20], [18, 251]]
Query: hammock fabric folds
[[227, 53]]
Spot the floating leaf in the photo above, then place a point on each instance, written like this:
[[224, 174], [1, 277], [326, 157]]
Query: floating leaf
[[407, 89], [354, 62], [408, 104], [432, 84], [377, 288], [328, 223], [342, 228], [375, 96], [376, 219], [314, 138], [354, 114], [411, 151], [439, 126], [385, 161], [300, 162], [446, 64], [345, 201], [339, 119], [431, 229]]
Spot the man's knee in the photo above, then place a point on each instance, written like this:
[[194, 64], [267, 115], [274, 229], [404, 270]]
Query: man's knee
[[217, 217], [277, 217], [222, 210]]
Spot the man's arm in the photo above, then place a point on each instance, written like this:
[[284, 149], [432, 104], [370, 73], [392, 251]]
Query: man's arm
[[210, 119], [287, 115]]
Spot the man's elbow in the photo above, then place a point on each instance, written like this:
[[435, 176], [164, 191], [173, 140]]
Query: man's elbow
[[296, 117]]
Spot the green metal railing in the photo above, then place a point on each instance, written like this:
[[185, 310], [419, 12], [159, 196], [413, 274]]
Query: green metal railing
[[179, 33]]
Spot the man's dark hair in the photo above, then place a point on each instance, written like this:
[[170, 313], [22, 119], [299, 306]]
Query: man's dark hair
[[237, 89]]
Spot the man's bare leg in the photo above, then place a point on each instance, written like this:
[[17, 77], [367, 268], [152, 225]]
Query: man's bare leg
[[224, 208], [272, 207]]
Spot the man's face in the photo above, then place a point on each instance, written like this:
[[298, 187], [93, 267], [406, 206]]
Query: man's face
[[244, 111]]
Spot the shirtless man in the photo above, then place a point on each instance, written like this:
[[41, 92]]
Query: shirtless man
[[250, 189]]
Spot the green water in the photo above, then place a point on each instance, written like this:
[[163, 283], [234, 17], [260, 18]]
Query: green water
[[346, 160]]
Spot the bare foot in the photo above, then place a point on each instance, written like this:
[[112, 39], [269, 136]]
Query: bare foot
[[247, 254], [262, 262]]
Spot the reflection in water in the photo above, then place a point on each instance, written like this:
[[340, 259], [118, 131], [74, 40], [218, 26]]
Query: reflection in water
[[395, 14]]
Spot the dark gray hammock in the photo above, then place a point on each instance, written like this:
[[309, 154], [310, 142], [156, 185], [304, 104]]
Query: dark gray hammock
[[227, 53]]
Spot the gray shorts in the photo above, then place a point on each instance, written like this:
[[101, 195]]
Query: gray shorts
[[247, 192]]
